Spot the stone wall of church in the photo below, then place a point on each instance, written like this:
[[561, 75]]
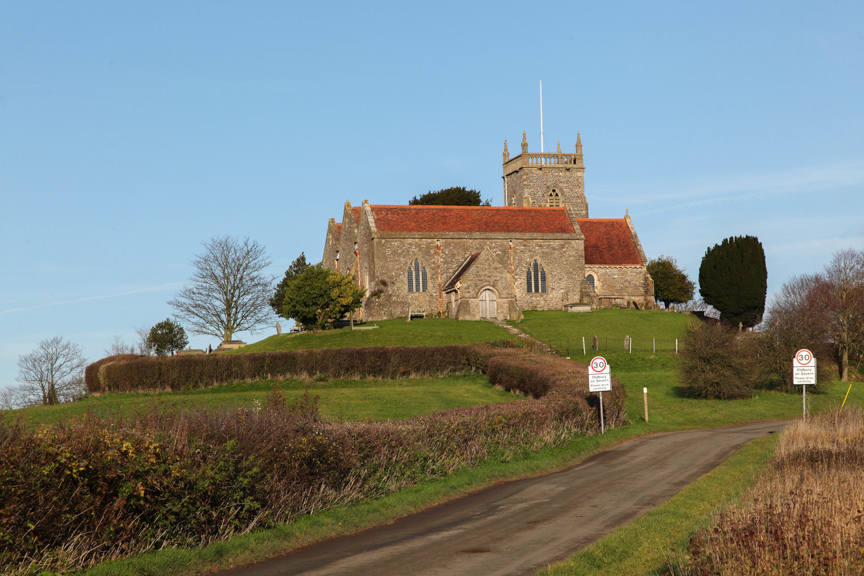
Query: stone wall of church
[[388, 296], [537, 183], [624, 286]]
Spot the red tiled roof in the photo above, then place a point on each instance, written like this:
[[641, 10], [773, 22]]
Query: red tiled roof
[[432, 219], [609, 241]]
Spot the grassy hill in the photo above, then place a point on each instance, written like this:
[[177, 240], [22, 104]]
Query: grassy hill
[[378, 400]]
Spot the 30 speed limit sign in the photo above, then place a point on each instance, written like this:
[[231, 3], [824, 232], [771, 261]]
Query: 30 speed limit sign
[[599, 376], [804, 368]]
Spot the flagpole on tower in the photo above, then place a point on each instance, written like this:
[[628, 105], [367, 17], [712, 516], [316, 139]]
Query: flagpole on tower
[[541, 116]]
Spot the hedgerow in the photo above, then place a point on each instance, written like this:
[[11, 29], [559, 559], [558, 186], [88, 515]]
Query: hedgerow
[[173, 373], [93, 489]]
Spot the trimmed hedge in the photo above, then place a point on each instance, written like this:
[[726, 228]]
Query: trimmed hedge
[[130, 373], [79, 493]]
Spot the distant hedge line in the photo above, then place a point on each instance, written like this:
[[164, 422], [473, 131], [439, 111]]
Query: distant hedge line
[[130, 373], [85, 491]]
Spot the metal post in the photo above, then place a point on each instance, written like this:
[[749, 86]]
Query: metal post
[[583, 345], [602, 423], [804, 402]]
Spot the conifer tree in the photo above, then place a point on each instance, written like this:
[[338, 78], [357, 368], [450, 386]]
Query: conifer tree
[[733, 279]]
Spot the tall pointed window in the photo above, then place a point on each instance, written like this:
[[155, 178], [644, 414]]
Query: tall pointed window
[[553, 199], [417, 279], [535, 278]]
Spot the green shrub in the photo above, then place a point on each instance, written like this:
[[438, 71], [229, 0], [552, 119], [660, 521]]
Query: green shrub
[[717, 364]]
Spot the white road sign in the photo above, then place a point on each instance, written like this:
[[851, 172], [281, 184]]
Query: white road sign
[[599, 376], [804, 368]]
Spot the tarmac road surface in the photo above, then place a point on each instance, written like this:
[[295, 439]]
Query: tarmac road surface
[[522, 526]]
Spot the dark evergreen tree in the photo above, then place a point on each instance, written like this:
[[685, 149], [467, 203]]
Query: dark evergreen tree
[[455, 196], [298, 266], [733, 279], [671, 284], [167, 337]]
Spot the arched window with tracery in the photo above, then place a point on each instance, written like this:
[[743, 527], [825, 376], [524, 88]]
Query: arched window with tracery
[[535, 278], [553, 199], [417, 278]]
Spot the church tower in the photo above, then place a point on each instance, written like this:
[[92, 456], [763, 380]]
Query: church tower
[[546, 179]]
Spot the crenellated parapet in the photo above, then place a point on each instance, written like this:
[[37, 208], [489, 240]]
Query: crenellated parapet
[[545, 178], [541, 159]]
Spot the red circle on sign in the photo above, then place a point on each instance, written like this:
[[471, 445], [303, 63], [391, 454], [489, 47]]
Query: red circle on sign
[[603, 364], [806, 354]]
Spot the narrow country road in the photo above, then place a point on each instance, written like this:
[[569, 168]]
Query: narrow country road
[[519, 527]]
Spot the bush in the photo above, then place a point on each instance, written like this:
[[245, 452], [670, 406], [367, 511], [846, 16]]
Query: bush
[[716, 364]]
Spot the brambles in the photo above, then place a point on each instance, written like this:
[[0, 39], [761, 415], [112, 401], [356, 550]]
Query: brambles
[[803, 515]]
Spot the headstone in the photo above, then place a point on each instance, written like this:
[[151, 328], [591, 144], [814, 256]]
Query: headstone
[[278, 328], [594, 343]]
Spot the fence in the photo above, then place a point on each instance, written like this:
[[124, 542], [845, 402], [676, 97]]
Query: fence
[[593, 344]]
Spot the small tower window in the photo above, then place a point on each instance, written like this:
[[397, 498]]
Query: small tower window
[[417, 278], [553, 199], [535, 278]]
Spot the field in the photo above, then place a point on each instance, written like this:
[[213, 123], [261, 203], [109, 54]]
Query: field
[[377, 400]]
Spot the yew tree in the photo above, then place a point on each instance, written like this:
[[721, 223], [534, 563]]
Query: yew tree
[[733, 278]]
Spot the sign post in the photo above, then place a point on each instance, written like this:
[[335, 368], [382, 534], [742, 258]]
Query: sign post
[[804, 374], [599, 380]]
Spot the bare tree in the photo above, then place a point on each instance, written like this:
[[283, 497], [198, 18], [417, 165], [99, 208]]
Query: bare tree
[[792, 323], [143, 347], [10, 398], [229, 291], [52, 373], [118, 346], [840, 296]]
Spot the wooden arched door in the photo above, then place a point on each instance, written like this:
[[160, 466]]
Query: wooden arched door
[[488, 304]]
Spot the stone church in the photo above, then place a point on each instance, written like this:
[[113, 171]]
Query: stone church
[[540, 251]]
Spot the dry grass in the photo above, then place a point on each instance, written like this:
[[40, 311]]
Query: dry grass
[[804, 516]]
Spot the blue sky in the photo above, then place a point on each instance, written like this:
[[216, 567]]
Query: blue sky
[[131, 132]]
